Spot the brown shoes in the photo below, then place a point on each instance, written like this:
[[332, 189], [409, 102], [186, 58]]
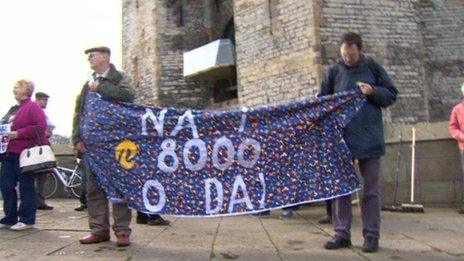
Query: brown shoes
[[93, 239], [122, 240]]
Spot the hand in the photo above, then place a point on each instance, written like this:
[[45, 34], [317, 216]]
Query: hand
[[365, 88], [80, 147], [13, 135], [93, 86]]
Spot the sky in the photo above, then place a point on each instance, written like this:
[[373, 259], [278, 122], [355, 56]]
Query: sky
[[44, 41]]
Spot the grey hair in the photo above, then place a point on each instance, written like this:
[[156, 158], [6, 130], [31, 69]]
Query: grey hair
[[29, 86]]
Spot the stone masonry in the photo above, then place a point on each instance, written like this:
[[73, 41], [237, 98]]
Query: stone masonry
[[283, 48], [276, 51], [443, 42], [155, 35]]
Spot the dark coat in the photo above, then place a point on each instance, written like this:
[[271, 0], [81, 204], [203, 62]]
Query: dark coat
[[364, 134], [115, 87], [11, 112]]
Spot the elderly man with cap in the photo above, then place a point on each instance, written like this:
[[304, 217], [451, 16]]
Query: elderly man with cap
[[114, 86], [41, 99]]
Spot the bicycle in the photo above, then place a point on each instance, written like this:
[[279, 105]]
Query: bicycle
[[71, 179]]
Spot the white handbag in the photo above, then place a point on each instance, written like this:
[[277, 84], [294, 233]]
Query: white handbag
[[37, 159]]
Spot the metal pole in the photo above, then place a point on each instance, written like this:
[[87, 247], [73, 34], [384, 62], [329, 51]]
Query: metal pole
[[413, 150]]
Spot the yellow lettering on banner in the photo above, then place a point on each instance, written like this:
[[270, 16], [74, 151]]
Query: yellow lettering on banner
[[126, 152]]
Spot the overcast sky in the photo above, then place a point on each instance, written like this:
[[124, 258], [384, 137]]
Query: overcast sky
[[44, 41]]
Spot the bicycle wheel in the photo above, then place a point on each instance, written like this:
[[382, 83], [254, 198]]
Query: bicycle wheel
[[51, 184], [75, 184]]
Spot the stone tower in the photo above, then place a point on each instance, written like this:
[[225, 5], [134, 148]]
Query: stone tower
[[282, 49]]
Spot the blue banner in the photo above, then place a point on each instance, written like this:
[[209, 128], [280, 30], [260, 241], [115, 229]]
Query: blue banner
[[211, 163]]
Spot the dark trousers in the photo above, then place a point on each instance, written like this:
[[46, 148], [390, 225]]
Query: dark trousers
[[83, 196], [41, 178], [9, 177], [370, 203], [462, 188], [328, 207]]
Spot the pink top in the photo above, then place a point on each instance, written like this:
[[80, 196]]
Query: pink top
[[456, 124], [29, 118]]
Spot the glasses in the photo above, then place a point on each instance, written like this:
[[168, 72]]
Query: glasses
[[91, 55]]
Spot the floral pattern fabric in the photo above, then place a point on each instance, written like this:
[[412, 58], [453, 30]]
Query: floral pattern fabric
[[213, 163]]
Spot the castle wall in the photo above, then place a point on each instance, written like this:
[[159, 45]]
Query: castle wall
[[276, 51], [442, 24]]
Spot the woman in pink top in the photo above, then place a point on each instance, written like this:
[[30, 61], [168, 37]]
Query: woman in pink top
[[28, 122], [456, 128]]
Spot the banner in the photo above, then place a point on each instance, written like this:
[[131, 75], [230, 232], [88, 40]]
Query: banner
[[210, 163]]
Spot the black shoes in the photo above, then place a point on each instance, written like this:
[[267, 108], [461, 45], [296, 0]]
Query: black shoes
[[81, 208], [461, 211], [325, 220], [158, 222], [152, 221], [370, 245], [45, 207], [337, 243]]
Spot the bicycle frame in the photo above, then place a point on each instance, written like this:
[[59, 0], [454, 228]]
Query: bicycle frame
[[65, 179], [71, 179], [61, 177]]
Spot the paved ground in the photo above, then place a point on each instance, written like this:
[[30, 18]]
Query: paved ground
[[436, 235]]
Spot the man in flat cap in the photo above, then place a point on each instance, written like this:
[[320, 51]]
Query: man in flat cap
[[99, 49], [112, 85], [41, 99], [41, 95]]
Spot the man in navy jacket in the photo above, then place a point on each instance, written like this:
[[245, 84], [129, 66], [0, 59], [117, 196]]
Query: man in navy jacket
[[363, 135]]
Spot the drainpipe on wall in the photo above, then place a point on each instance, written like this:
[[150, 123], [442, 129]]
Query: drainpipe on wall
[[208, 19], [316, 18]]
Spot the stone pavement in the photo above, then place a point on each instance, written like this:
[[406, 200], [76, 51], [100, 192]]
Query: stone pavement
[[436, 235]]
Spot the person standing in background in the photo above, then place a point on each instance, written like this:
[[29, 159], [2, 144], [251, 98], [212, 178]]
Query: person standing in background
[[41, 99], [83, 197], [456, 128]]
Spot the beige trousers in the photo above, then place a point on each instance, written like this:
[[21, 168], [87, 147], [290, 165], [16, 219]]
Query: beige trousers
[[97, 207]]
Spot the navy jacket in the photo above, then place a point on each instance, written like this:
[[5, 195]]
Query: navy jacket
[[364, 134]]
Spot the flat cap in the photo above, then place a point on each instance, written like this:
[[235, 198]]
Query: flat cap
[[41, 95], [100, 49]]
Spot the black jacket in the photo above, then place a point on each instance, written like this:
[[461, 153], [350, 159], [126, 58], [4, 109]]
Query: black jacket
[[11, 112], [364, 134]]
